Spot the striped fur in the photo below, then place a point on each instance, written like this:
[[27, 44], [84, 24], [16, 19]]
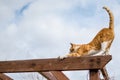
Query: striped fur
[[99, 45]]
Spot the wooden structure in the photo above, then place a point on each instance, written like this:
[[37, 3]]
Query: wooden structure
[[51, 68]]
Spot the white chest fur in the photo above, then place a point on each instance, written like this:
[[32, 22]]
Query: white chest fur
[[104, 46]]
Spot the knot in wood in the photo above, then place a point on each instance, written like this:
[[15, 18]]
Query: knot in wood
[[33, 64]]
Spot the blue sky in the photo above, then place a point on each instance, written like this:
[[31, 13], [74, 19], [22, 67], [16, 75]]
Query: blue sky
[[31, 29]]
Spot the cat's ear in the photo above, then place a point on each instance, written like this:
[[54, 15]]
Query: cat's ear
[[71, 44]]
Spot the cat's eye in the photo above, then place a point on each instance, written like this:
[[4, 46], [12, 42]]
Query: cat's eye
[[71, 50]]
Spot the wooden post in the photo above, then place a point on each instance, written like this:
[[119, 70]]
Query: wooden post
[[94, 74]]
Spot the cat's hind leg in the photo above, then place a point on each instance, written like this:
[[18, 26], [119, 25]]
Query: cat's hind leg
[[73, 55], [105, 47]]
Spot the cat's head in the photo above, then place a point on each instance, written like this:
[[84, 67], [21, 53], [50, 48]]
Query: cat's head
[[74, 47]]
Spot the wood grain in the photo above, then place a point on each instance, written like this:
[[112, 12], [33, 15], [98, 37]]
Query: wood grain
[[55, 64]]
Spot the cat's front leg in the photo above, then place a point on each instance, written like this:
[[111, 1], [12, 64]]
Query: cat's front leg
[[73, 55], [69, 55], [62, 57]]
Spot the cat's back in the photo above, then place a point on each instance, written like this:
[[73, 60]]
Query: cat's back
[[105, 34]]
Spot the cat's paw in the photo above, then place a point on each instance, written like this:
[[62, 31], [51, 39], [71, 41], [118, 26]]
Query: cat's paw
[[61, 57]]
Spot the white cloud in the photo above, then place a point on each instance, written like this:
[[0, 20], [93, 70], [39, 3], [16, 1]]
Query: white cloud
[[8, 9]]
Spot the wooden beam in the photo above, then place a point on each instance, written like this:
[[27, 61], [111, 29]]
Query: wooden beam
[[94, 74], [43, 65], [4, 77]]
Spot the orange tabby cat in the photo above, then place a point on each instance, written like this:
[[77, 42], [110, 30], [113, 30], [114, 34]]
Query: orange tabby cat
[[99, 45]]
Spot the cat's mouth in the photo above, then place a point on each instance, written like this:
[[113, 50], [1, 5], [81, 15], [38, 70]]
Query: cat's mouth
[[72, 52]]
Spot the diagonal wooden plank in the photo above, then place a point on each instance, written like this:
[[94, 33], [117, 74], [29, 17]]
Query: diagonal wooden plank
[[48, 75], [55, 64], [59, 75], [4, 77], [104, 73], [54, 75]]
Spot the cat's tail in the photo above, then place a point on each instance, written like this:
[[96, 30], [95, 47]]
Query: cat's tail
[[111, 23]]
